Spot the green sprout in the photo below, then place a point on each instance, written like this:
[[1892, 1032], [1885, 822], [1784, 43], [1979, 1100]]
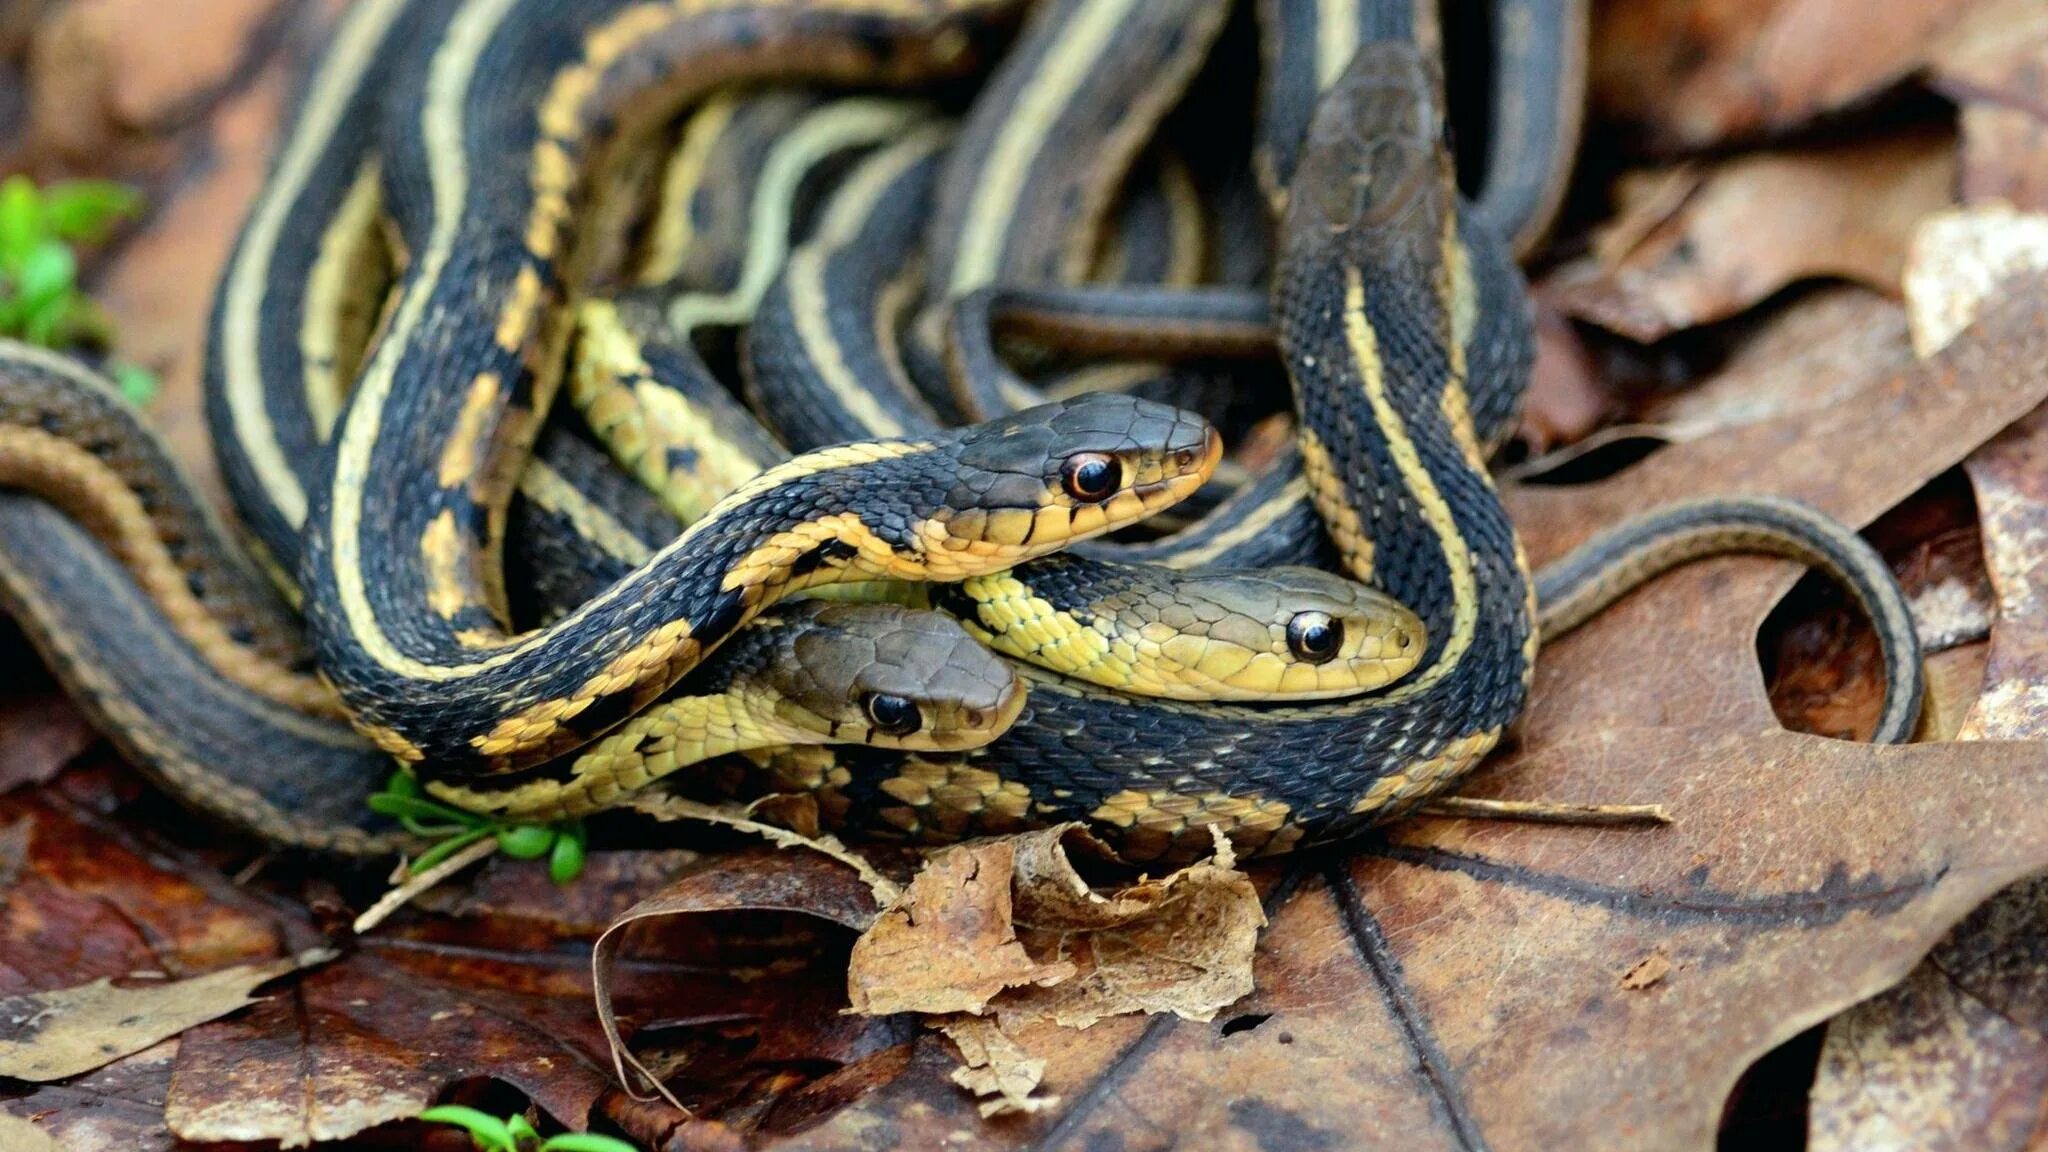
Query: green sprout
[[514, 1134], [452, 829], [40, 302]]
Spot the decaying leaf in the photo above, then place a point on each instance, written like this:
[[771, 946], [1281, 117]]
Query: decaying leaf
[[1956, 1057], [1691, 74], [994, 1065], [88, 901], [41, 732], [379, 1036], [800, 833], [58, 1034], [1991, 63], [950, 945], [1007, 925], [118, 1108], [1696, 244], [1456, 984], [509, 904], [802, 883], [1956, 261], [18, 1135]]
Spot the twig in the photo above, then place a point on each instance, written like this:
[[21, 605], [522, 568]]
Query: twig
[[1544, 812], [402, 895]]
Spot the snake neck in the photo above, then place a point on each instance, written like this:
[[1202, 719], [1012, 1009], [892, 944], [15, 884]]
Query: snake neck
[[1395, 468], [675, 734]]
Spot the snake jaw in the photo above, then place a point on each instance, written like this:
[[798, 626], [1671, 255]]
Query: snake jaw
[[1186, 469], [1039, 480]]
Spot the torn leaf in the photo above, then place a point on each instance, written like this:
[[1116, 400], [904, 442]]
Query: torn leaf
[[1008, 925], [48, 1036], [995, 1067], [1693, 245]]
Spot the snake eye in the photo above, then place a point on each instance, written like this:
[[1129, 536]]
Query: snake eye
[[1091, 477], [893, 715], [1313, 637]]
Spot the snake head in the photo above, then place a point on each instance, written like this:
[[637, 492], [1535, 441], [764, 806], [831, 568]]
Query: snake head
[[1289, 633], [1043, 478], [891, 676], [1374, 157]]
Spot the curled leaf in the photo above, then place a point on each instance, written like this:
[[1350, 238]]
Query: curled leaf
[[1008, 925]]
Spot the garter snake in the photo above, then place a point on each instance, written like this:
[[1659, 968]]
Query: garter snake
[[138, 603], [821, 363], [1374, 376], [1350, 637], [1367, 313], [1538, 52], [1281, 634], [402, 597], [301, 292]]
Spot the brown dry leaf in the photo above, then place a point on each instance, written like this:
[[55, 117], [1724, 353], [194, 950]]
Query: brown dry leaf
[[379, 1036], [1994, 64], [119, 1108], [1693, 73], [2010, 476], [801, 883], [950, 944], [21, 1136], [1181, 944], [1568, 397], [42, 733], [1454, 984], [994, 1065], [1808, 355], [1957, 1056], [2004, 156], [1007, 925], [1696, 244], [1956, 261], [59, 1034]]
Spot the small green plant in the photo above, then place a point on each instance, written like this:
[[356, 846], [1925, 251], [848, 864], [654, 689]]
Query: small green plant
[[39, 298], [514, 1134], [563, 844]]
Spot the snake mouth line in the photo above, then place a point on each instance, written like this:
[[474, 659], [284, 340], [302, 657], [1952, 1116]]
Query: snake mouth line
[[1191, 476]]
